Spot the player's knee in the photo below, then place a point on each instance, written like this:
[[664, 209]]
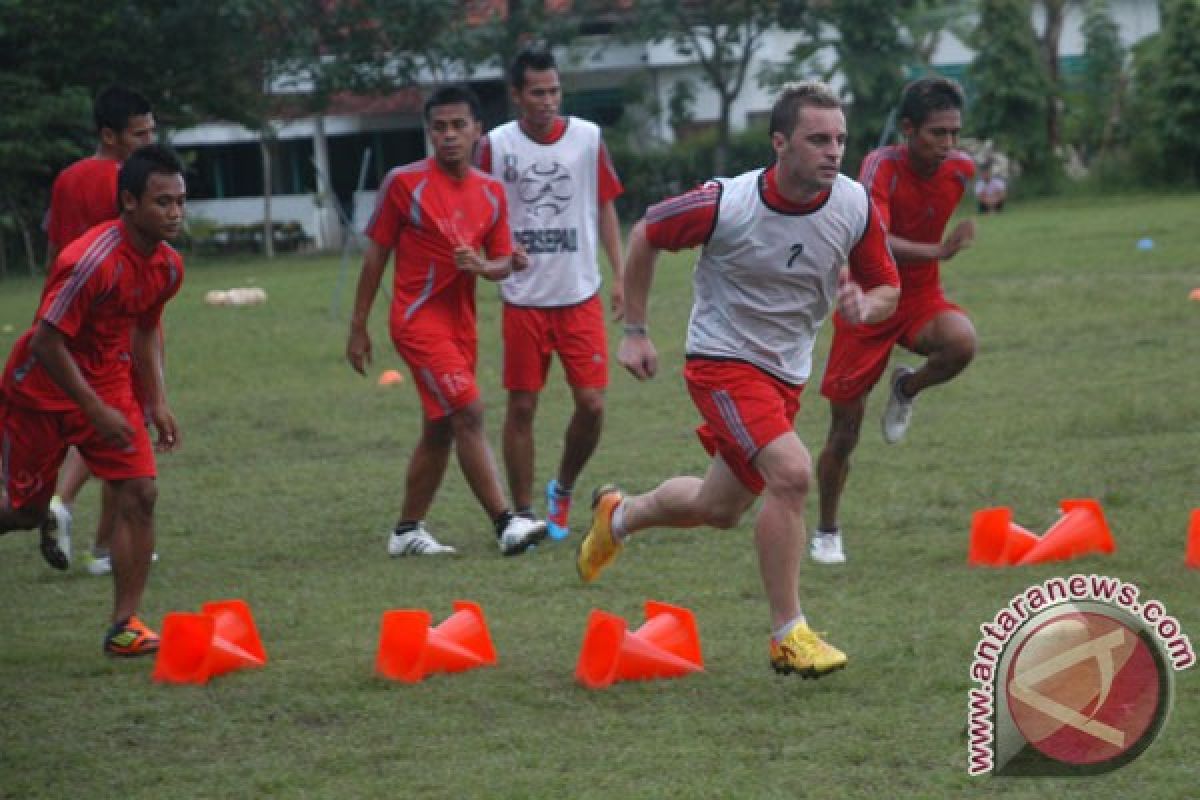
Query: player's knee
[[590, 406], [467, 420], [790, 481], [137, 498], [521, 409], [843, 439], [960, 351]]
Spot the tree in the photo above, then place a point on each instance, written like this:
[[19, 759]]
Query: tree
[[1097, 111], [722, 36], [870, 55], [1010, 84], [1049, 42], [191, 59], [1177, 87]]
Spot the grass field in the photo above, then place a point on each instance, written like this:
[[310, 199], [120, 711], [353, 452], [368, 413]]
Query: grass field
[[1086, 385]]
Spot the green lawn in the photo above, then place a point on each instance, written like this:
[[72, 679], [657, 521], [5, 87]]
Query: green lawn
[[1086, 385]]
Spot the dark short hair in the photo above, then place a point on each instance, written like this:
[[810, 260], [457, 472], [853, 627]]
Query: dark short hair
[[450, 95], [115, 105], [530, 58], [926, 96], [146, 161], [795, 96]]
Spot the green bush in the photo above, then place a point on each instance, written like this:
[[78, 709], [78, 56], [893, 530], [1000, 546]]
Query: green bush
[[651, 175]]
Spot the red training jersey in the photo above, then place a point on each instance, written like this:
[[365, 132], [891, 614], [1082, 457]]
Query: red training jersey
[[99, 288], [688, 220], [83, 196], [913, 206], [608, 184], [424, 214]]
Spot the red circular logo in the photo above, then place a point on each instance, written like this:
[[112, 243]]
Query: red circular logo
[[1084, 688]]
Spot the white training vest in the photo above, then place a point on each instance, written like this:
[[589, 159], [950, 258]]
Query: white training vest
[[552, 210], [767, 279]]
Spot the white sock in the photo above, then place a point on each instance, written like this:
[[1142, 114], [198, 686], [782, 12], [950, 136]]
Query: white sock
[[618, 523], [783, 630]]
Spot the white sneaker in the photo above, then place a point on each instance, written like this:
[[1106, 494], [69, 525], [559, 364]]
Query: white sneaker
[[55, 532], [102, 565], [521, 534], [899, 409], [418, 542], [826, 548]]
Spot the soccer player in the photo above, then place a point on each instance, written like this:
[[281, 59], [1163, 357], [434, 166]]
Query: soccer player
[[561, 185], [68, 380], [83, 196], [438, 214], [916, 186], [775, 244]]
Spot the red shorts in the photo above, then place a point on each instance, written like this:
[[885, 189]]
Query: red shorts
[[744, 410], [34, 444], [577, 333], [859, 353], [442, 359]]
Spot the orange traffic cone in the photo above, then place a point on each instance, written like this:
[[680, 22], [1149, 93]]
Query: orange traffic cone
[[389, 377], [409, 649], [1020, 541], [236, 644], [666, 646], [183, 649], [1192, 559], [996, 540], [196, 647], [1080, 530]]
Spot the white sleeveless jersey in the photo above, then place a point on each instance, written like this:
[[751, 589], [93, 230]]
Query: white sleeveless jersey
[[552, 210], [767, 279]]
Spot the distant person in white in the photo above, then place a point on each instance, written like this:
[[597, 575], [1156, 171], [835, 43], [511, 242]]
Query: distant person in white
[[561, 186], [990, 190]]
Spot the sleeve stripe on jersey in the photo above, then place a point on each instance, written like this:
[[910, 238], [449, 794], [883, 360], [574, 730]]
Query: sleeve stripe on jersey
[[706, 195], [95, 255], [414, 213], [491, 198], [870, 167]]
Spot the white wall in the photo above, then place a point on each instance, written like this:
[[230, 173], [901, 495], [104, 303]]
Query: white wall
[[300, 208]]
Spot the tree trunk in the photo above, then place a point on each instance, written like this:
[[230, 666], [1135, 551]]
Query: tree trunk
[[1055, 11], [268, 234], [721, 154], [1114, 115]]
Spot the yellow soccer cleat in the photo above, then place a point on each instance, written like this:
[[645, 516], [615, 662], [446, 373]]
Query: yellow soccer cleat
[[599, 548], [805, 652]]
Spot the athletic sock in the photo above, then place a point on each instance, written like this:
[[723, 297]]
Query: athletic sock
[[526, 512], [783, 630], [406, 526], [501, 522], [618, 523], [561, 490], [830, 532]]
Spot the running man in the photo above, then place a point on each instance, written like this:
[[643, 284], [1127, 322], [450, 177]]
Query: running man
[[561, 186], [69, 382], [775, 244], [439, 214], [916, 186], [83, 196]]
